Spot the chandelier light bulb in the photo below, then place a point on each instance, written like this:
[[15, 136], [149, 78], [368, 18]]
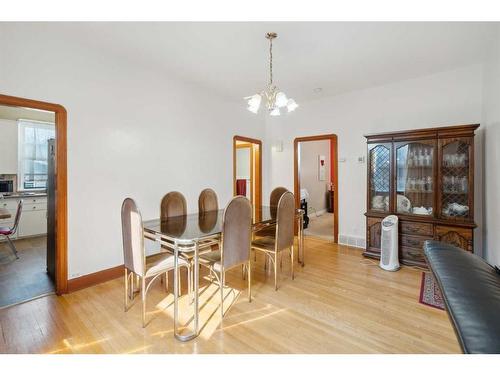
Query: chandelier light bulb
[[275, 112], [275, 99], [253, 109], [281, 99], [254, 100], [291, 105]]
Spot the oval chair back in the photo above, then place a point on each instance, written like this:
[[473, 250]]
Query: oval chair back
[[133, 237], [18, 216], [275, 198], [173, 204], [207, 201], [236, 232], [285, 221]]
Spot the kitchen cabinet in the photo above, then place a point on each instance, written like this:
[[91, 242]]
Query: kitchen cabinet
[[33, 223], [33, 220]]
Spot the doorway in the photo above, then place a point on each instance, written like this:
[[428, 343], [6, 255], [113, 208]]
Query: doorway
[[247, 169], [316, 184], [33, 257]]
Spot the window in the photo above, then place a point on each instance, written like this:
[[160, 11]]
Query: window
[[33, 139]]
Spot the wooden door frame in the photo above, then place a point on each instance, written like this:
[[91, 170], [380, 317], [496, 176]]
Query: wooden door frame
[[334, 176], [61, 202], [258, 177]]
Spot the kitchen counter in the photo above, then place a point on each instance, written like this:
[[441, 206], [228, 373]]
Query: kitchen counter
[[22, 194]]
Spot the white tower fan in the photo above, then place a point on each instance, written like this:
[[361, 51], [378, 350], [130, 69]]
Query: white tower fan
[[389, 260]]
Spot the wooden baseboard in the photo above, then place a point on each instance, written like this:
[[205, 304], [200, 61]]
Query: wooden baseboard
[[94, 278]]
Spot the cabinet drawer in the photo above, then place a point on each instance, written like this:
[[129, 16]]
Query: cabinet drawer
[[10, 204], [412, 254], [416, 242], [34, 206], [422, 229], [35, 200], [33, 223]]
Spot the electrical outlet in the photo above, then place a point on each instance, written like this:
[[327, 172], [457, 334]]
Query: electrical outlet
[[361, 159]]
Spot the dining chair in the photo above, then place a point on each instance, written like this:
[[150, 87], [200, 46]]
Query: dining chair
[[274, 198], [284, 236], [207, 201], [276, 195], [7, 232], [135, 257], [235, 245], [173, 204]]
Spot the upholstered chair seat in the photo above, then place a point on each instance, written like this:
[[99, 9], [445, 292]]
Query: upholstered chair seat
[[265, 243], [212, 259], [162, 263], [5, 231]]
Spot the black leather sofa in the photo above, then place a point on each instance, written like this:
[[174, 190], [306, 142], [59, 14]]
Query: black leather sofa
[[471, 292]]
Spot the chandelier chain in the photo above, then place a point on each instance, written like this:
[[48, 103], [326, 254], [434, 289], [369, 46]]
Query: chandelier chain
[[271, 61]]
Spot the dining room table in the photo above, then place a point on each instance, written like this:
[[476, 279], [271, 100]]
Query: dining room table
[[4, 214], [187, 234]]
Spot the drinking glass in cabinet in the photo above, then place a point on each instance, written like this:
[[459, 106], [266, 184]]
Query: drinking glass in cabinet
[[415, 179], [455, 179]]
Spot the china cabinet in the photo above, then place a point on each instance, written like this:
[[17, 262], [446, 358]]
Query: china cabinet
[[426, 178]]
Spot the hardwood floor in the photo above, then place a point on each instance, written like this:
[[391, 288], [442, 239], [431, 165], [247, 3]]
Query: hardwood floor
[[338, 303]]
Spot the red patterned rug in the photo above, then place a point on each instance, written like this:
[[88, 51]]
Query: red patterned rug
[[430, 294]]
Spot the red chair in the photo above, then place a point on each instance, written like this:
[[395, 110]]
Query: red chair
[[6, 231]]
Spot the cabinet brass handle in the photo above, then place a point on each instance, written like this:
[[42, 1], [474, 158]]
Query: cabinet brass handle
[[413, 242]]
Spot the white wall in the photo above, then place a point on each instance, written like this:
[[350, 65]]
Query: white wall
[[243, 163], [447, 98], [491, 154], [8, 147], [309, 174], [131, 132]]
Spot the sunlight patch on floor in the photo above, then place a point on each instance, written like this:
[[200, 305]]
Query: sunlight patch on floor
[[209, 307], [72, 348]]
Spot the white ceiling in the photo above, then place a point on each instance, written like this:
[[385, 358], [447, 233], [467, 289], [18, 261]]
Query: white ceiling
[[232, 58]]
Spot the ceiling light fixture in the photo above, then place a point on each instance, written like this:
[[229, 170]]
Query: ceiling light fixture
[[275, 98]]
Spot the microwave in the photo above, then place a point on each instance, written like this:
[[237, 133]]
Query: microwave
[[6, 186]]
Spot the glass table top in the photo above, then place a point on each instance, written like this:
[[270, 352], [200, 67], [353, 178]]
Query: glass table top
[[200, 225]]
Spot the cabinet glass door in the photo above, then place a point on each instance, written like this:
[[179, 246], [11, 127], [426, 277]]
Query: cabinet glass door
[[455, 178], [379, 157], [415, 178]]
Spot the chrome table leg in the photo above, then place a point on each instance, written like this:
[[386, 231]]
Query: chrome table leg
[[176, 294]]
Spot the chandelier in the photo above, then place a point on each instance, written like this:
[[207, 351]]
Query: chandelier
[[275, 98]]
